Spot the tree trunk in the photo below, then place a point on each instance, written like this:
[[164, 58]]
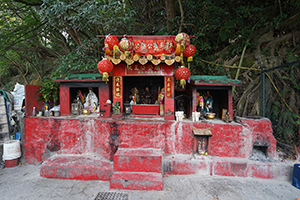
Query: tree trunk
[[171, 14]]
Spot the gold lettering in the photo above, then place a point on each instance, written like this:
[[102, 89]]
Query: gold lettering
[[129, 67], [136, 67], [168, 89], [150, 67], [118, 89], [157, 67], [118, 84]]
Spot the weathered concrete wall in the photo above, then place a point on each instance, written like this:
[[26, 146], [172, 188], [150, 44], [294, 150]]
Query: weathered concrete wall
[[102, 137]]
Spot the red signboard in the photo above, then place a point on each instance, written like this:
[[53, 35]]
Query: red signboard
[[169, 86], [155, 45], [117, 81], [147, 69]]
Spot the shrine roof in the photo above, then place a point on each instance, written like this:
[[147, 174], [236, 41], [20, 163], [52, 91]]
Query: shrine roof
[[97, 77], [214, 81]]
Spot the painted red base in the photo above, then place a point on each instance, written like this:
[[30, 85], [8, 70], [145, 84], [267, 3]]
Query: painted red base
[[11, 163], [216, 166], [105, 108], [169, 117], [79, 167], [145, 109], [138, 160], [186, 164], [117, 116], [136, 181]]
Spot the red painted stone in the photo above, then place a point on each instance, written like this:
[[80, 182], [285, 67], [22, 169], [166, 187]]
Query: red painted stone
[[186, 164], [145, 109], [136, 181], [85, 167], [31, 96], [138, 160]]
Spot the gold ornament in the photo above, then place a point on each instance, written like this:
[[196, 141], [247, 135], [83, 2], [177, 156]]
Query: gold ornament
[[136, 57], [170, 61], [143, 61], [129, 61], [149, 57], [155, 61], [122, 57]]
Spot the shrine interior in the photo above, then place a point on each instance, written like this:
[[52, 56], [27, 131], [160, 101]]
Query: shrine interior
[[141, 82], [220, 99]]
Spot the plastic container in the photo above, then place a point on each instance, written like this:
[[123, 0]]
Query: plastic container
[[296, 176], [18, 136], [18, 101], [11, 153]]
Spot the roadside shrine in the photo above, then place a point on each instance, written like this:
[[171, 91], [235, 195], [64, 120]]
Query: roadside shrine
[[144, 116]]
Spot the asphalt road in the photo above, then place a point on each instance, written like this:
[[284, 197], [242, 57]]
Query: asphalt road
[[24, 182]]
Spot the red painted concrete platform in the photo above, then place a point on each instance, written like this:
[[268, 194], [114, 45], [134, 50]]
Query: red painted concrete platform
[[216, 166], [138, 160], [137, 169], [136, 181], [79, 167]]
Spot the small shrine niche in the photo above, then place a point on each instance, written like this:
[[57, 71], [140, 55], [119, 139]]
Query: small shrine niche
[[71, 86], [214, 100], [216, 95], [202, 141]]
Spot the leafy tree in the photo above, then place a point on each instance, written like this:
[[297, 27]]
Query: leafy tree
[[42, 38]]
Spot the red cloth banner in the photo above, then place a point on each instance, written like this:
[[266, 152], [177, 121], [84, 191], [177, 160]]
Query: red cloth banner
[[154, 45]]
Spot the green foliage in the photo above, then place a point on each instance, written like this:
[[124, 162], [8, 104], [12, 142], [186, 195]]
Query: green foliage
[[285, 123], [49, 91], [293, 78], [74, 63]]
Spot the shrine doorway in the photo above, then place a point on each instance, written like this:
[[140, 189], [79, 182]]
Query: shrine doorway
[[141, 82]]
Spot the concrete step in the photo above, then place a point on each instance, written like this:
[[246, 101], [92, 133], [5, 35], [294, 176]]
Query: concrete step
[[136, 181], [138, 160], [79, 167]]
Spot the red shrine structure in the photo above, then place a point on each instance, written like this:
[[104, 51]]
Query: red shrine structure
[[133, 136]]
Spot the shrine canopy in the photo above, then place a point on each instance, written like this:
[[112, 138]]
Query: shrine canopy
[[214, 81], [157, 50]]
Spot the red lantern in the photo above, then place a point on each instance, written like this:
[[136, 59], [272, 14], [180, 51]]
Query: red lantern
[[182, 74], [189, 51], [111, 41], [104, 67]]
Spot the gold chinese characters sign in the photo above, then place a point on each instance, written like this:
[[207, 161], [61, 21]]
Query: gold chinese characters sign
[[147, 69], [117, 81], [169, 89]]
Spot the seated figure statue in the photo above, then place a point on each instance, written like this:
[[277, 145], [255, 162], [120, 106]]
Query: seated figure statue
[[147, 96], [91, 99]]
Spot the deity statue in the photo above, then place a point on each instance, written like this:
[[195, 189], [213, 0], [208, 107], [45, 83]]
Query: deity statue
[[146, 96], [134, 97], [161, 96], [208, 103], [91, 99]]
